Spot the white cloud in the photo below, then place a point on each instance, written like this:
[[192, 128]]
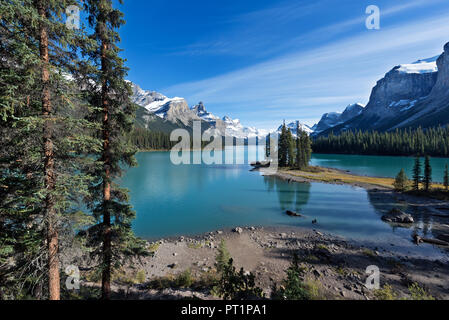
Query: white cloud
[[308, 83]]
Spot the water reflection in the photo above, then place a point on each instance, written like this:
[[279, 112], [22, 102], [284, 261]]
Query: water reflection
[[427, 224], [291, 196]]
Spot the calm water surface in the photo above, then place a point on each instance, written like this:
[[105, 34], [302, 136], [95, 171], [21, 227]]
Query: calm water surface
[[378, 166], [173, 200]]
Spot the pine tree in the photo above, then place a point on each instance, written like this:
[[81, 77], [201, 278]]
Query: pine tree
[[427, 180], [116, 117], [44, 140], [283, 147], [298, 146], [290, 149], [446, 177], [417, 174], [401, 181], [306, 149]]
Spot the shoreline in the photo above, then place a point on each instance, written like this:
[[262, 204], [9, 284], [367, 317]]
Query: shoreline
[[334, 266]]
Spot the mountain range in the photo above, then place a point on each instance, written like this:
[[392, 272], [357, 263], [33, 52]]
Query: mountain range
[[409, 95], [160, 113]]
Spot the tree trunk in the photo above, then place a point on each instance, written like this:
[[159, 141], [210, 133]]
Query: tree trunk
[[49, 162], [107, 245]]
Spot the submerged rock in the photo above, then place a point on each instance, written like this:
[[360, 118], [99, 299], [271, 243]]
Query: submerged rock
[[293, 214], [398, 216]]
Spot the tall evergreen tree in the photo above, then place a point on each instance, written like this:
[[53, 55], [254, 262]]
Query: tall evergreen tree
[[283, 147], [290, 149], [116, 114], [306, 149], [298, 146], [417, 174], [446, 177], [44, 136], [427, 180]]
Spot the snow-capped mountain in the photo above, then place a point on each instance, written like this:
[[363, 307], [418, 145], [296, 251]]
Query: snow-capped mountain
[[200, 111], [227, 126], [409, 95], [177, 111], [292, 127], [235, 129], [421, 66], [332, 119]]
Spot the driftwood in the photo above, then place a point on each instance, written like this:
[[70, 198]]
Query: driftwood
[[437, 242]]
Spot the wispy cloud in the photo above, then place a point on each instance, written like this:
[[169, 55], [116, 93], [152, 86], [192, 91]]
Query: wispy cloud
[[305, 84]]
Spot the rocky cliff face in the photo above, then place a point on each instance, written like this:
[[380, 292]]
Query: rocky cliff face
[[432, 110], [410, 95], [143, 97], [330, 120], [175, 112], [397, 91]]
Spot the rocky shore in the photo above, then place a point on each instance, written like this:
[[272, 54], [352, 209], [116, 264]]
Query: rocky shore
[[336, 268]]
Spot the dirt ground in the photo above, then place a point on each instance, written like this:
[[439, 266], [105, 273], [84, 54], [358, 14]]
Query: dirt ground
[[336, 267]]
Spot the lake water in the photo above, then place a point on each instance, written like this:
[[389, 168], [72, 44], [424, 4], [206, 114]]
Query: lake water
[[378, 166], [172, 200]]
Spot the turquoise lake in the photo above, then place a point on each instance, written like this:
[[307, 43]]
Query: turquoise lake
[[378, 166], [173, 200]]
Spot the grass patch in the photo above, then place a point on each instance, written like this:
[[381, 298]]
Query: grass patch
[[369, 253], [194, 245], [153, 247], [322, 247], [416, 292], [419, 293]]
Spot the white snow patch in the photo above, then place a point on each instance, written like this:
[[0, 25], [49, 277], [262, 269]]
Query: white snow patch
[[420, 66]]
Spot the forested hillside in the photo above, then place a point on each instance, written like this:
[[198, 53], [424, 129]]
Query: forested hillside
[[406, 142]]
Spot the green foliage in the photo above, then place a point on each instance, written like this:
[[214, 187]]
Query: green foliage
[[184, 279], [385, 293], [23, 188], [294, 287], [294, 152], [234, 285], [222, 257], [401, 182], [416, 292], [417, 178], [145, 139], [427, 179], [283, 147], [431, 141], [419, 293]]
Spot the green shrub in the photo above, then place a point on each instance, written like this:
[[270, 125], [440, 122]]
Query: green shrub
[[234, 285], [294, 288], [386, 293], [222, 257], [401, 182], [419, 293], [141, 277], [184, 279]]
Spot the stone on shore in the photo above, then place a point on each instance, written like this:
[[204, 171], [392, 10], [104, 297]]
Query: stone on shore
[[398, 216]]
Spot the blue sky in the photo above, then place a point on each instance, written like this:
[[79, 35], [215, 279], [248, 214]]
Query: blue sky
[[265, 61]]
